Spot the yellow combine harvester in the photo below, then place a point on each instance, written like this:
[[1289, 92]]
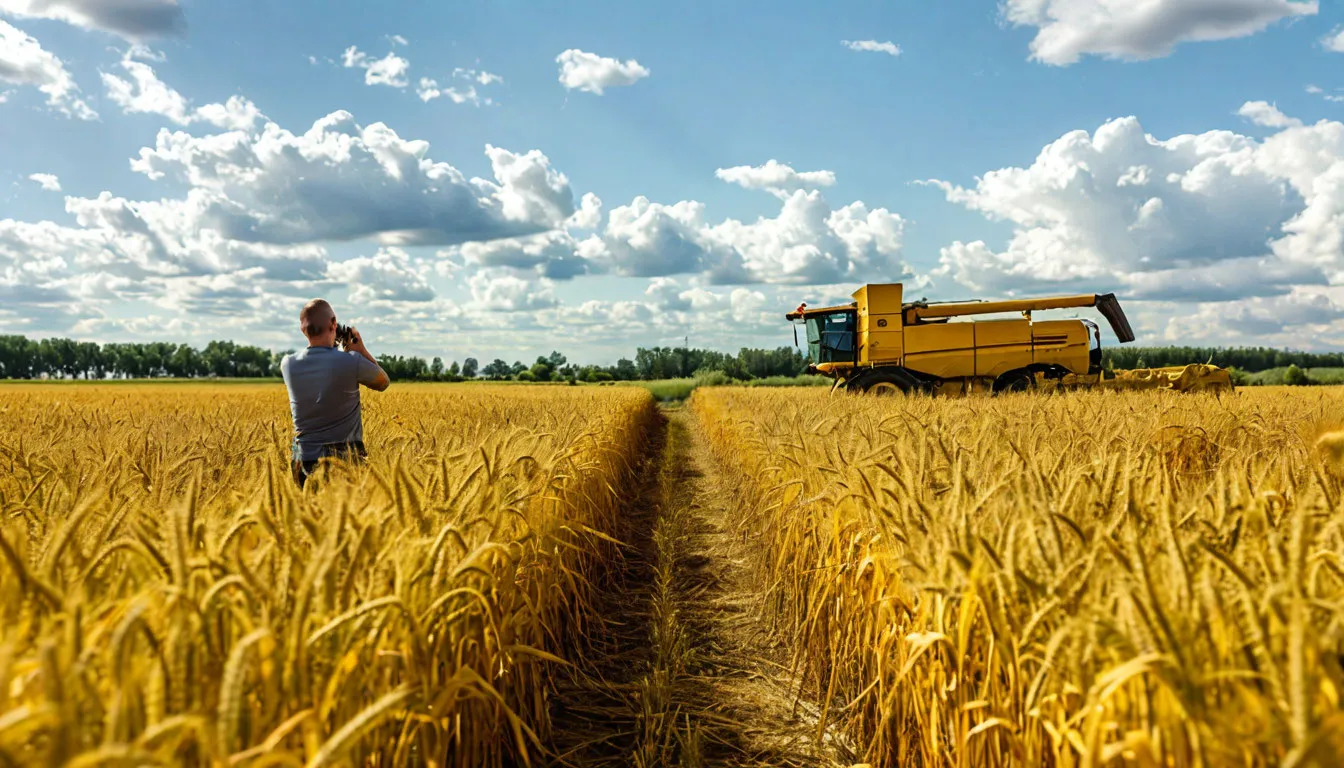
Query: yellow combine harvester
[[880, 344]]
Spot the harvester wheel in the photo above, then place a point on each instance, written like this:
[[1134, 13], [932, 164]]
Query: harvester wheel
[[1015, 381], [884, 384]]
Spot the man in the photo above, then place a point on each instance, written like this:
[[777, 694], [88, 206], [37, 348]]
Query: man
[[323, 384]]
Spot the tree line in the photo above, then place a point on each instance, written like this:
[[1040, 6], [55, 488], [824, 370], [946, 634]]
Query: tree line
[[24, 358], [56, 358], [1251, 359]]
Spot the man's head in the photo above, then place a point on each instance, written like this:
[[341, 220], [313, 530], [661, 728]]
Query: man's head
[[318, 323]]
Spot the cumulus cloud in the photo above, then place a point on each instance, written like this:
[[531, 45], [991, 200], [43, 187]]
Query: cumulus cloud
[[1268, 115], [134, 20], [889, 48], [279, 187], [244, 238], [775, 177], [667, 295], [1280, 320], [390, 70], [145, 93], [1334, 41], [23, 61], [1210, 217], [49, 182], [504, 291], [1128, 30], [145, 239], [589, 214], [589, 72], [124, 251], [390, 275], [552, 255], [809, 242]]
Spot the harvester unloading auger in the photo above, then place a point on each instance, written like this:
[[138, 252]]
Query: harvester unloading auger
[[882, 345]]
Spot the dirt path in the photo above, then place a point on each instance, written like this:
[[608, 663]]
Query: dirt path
[[686, 674]]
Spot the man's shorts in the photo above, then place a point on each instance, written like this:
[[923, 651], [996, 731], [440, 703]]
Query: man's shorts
[[352, 452]]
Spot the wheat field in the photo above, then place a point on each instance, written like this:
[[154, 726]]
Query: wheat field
[[168, 596], [1082, 579], [1094, 579]]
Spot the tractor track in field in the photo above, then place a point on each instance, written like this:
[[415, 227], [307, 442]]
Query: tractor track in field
[[684, 671]]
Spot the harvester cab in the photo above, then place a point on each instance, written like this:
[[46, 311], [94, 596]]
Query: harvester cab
[[881, 344]]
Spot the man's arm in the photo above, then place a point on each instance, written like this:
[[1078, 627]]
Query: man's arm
[[377, 382]]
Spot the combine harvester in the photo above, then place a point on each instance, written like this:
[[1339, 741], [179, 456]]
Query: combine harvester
[[881, 345]]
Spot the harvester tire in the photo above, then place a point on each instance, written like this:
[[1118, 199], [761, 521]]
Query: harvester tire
[[885, 384], [1015, 381]]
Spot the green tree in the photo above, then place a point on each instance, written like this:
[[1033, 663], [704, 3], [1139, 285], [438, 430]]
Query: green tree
[[496, 370], [1296, 377]]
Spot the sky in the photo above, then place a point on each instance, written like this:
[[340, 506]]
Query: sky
[[503, 178]]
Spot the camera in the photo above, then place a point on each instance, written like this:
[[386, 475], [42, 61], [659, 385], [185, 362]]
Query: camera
[[344, 335]]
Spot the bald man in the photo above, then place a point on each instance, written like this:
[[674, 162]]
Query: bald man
[[323, 384]]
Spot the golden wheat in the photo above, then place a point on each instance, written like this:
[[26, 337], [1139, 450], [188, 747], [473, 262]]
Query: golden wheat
[[168, 597], [1088, 579]]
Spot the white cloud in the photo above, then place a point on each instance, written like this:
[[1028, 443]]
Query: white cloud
[[279, 187], [236, 114], [125, 251], [589, 72], [23, 61], [429, 88], [241, 241], [145, 93], [667, 295], [478, 76], [48, 182], [132, 19], [503, 291], [1334, 41], [390, 70], [775, 177], [807, 243], [1279, 320], [889, 48], [388, 275], [551, 255], [1268, 115], [1129, 30], [589, 214], [1210, 217], [145, 239], [1318, 91]]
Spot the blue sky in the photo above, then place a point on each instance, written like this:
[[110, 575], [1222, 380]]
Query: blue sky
[[1212, 211]]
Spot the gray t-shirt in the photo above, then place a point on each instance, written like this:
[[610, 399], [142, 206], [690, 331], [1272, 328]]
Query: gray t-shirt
[[323, 384]]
